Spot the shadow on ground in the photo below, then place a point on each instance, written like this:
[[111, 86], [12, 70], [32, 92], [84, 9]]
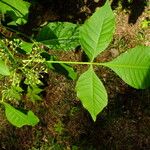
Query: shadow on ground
[[136, 8]]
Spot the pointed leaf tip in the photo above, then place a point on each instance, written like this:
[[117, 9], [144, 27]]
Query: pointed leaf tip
[[91, 92], [97, 32], [18, 118], [133, 67]]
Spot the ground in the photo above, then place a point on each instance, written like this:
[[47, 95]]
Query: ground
[[64, 124]]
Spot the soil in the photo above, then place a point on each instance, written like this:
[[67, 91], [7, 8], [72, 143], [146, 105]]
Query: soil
[[64, 124]]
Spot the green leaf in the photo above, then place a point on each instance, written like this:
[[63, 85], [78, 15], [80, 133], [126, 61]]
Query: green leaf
[[4, 69], [133, 67], [71, 72], [91, 92], [18, 118], [27, 47], [59, 36], [33, 93], [15, 8], [96, 33], [21, 21]]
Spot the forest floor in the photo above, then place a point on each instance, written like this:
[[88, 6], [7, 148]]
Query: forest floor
[[64, 124]]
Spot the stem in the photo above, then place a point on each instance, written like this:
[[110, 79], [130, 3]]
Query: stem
[[54, 62], [74, 62], [20, 33], [2, 99], [66, 62], [14, 76]]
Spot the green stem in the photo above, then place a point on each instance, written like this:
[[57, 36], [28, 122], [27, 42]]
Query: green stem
[[66, 62], [20, 33], [74, 62], [2, 99], [14, 77], [54, 62]]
